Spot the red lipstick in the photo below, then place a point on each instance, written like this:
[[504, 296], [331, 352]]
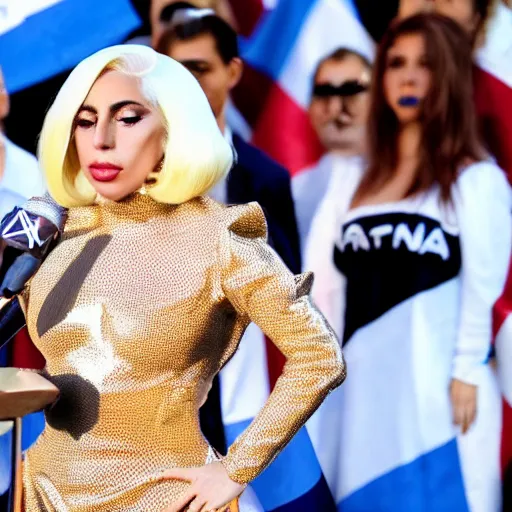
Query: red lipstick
[[104, 171]]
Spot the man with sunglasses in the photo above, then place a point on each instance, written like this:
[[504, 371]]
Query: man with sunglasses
[[339, 101], [338, 111]]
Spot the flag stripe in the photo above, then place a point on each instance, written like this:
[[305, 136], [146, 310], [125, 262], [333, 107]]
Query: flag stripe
[[506, 440], [247, 14], [286, 20], [52, 40], [431, 483], [294, 473], [330, 25], [250, 95], [284, 131], [316, 499], [494, 104]]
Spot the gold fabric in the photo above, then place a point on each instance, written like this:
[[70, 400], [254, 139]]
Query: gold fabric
[[135, 311]]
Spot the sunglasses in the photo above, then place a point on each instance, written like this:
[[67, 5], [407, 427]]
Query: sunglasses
[[348, 88]]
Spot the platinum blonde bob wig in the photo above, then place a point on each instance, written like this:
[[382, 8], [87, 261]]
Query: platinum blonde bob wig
[[196, 155]]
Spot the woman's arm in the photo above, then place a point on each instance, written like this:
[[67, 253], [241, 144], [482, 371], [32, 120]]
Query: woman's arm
[[260, 287], [482, 199]]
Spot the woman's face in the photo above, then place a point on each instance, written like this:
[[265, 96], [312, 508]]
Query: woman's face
[[461, 11], [119, 136], [407, 77]]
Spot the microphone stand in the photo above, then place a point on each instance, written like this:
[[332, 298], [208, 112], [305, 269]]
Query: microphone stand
[[21, 392], [15, 490]]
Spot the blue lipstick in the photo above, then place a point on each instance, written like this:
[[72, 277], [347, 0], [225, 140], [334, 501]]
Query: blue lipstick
[[409, 101]]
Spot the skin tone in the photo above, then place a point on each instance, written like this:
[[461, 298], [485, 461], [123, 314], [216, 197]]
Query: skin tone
[[340, 121], [407, 74], [201, 57], [117, 125]]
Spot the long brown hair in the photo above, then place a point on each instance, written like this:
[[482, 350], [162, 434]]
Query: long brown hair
[[449, 127]]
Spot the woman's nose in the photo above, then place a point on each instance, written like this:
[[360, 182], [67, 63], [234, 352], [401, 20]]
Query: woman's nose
[[104, 136], [411, 75]]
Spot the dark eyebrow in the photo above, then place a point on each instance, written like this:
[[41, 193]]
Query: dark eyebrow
[[113, 108], [194, 62]]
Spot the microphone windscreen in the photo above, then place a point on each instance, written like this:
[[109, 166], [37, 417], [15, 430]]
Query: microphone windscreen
[[34, 227], [45, 206], [23, 268]]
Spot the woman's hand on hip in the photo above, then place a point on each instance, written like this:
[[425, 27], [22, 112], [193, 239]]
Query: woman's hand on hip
[[463, 398], [211, 489]]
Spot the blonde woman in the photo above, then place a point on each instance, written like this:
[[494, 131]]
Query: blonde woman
[[146, 297]]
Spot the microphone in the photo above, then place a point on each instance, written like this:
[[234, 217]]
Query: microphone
[[29, 233], [12, 320]]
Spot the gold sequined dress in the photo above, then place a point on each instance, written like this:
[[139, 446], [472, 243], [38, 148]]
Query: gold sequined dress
[[135, 311]]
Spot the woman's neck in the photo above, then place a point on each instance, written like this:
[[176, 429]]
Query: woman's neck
[[409, 140]]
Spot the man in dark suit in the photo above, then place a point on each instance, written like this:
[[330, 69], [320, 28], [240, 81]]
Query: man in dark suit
[[208, 47]]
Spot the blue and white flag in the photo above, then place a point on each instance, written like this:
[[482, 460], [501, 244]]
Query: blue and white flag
[[41, 38]]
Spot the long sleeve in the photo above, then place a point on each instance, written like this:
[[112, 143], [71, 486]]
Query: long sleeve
[[262, 289], [482, 199]]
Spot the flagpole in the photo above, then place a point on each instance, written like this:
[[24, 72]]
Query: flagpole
[[15, 492]]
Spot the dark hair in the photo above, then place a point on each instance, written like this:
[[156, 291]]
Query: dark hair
[[450, 133], [339, 55], [226, 39], [483, 8]]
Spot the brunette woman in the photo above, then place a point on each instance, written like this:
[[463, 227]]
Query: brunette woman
[[421, 240]]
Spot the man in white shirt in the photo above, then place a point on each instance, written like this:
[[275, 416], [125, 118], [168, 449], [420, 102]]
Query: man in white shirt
[[338, 111], [20, 179]]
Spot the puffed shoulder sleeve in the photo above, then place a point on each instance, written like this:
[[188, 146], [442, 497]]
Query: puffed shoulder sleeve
[[260, 287], [483, 203]]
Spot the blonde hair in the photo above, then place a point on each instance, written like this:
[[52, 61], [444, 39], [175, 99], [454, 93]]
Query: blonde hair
[[196, 155]]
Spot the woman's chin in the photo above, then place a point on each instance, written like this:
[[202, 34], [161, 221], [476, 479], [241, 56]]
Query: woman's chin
[[112, 191], [408, 115]]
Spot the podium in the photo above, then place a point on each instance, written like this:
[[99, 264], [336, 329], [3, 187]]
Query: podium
[[22, 392]]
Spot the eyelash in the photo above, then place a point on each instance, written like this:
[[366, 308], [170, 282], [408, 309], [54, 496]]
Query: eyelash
[[131, 120], [84, 123], [128, 121]]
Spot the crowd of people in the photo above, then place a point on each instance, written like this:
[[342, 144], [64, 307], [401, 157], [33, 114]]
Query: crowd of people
[[406, 224]]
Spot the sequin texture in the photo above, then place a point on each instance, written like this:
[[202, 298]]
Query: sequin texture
[[135, 311]]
